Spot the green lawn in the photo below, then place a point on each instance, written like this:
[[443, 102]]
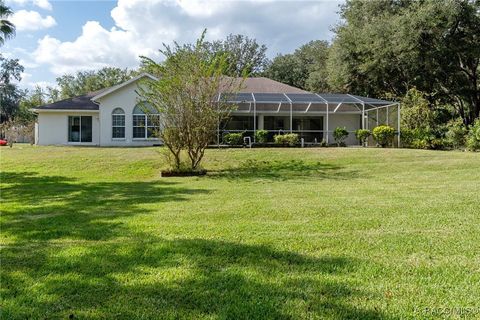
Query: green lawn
[[275, 233]]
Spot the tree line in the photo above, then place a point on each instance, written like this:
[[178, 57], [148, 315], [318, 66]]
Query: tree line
[[423, 53]]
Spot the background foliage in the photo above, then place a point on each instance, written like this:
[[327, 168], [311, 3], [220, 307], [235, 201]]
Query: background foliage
[[425, 54]]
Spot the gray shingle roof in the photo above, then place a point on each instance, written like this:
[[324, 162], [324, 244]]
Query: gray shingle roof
[[76, 103], [259, 85], [261, 89], [262, 85]]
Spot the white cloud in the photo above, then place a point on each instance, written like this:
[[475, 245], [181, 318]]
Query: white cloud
[[44, 4], [141, 26], [96, 47], [28, 83], [25, 76], [31, 20]]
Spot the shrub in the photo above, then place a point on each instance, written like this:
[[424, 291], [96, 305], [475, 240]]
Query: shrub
[[384, 135], [286, 139], [362, 136], [456, 133], [340, 134], [292, 138], [233, 139], [279, 139], [419, 144], [416, 111], [261, 136], [436, 144], [407, 138], [473, 140], [423, 138]]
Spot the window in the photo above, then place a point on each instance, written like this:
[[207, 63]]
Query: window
[[118, 124], [138, 126], [307, 124], [145, 126], [79, 129], [153, 124], [239, 123], [274, 123]]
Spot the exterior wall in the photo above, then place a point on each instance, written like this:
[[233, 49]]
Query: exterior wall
[[351, 121], [52, 128], [125, 98]]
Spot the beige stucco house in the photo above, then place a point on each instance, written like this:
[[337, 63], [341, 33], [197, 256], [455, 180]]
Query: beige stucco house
[[113, 117]]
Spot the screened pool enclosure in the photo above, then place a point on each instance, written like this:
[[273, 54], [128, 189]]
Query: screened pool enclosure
[[312, 116]]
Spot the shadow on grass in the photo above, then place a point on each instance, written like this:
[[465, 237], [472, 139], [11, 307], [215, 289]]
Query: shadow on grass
[[55, 207], [111, 271], [180, 278], [283, 170]]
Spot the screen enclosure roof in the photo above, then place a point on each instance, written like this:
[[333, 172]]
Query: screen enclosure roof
[[303, 98]]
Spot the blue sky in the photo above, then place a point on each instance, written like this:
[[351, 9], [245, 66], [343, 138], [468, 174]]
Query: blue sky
[[58, 37]]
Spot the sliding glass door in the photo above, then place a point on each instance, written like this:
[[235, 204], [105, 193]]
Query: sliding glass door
[[79, 129], [309, 128], [85, 129]]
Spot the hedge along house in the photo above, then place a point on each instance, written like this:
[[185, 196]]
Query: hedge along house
[[114, 116]]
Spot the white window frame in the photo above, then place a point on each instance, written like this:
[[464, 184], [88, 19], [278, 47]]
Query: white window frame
[[80, 130], [117, 126], [145, 127]]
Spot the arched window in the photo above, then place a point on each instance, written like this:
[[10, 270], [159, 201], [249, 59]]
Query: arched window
[[146, 121], [118, 123]]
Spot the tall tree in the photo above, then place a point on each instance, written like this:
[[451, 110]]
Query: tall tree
[[186, 96], [52, 93], [285, 68], [7, 29], [387, 47], [245, 56], [306, 68], [87, 81], [10, 94], [32, 98], [458, 59]]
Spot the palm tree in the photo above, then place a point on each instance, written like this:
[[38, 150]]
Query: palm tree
[[7, 29]]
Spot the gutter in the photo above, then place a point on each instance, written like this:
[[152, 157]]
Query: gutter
[[64, 110]]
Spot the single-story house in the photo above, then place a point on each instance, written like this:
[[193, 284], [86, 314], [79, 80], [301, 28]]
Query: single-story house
[[113, 117]]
